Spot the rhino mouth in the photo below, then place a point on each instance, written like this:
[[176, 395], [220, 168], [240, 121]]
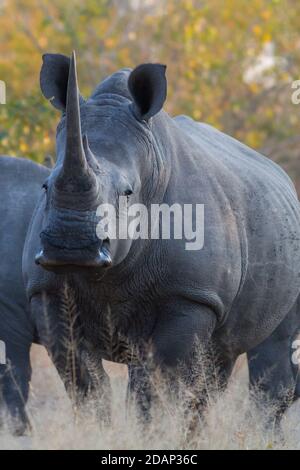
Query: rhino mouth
[[70, 260]]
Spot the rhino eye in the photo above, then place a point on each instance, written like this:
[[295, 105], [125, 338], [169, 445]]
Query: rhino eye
[[128, 192], [45, 187]]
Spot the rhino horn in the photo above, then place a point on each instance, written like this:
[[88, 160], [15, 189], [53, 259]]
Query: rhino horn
[[74, 159]]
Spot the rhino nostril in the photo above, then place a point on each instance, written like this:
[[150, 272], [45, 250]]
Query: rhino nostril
[[39, 257], [105, 258]]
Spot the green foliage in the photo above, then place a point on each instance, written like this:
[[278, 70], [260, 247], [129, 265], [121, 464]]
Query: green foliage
[[211, 48]]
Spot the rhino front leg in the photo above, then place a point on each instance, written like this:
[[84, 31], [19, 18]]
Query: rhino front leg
[[62, 335], [140, 390], [183, 328]]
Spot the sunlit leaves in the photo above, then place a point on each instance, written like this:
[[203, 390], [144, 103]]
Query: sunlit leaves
[[208, 45]]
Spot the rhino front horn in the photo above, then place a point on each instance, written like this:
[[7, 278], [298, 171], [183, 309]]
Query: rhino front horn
[[75, 159]]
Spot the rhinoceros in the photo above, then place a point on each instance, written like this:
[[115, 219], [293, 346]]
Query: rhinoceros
[[21, 181], [159, 300], [20, 185]]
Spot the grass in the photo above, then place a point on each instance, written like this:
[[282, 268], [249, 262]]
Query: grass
[[232, 420]]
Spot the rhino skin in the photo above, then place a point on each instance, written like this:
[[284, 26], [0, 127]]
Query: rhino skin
[[21, 181], [20, 185], [238, 293]]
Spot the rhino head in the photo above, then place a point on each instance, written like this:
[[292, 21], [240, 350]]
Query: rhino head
[[104, 150]]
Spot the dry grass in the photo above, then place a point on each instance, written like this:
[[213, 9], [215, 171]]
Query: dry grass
[[232, 420]]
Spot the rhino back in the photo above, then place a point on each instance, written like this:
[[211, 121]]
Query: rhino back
[[20, 186], [251, 253], [251, 167]]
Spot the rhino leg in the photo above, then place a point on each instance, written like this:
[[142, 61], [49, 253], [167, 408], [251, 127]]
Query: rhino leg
[[62, 336], [140, 391], [181, 328], [15, 376], [272, 370]]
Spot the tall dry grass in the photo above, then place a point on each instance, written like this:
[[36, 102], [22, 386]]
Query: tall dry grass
[[232, 420]]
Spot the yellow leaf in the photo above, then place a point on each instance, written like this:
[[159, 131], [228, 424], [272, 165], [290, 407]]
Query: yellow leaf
[[266, 14], [43, 41], [197, 114], [110, 43], [46, 140], [267, 37], [257, 30], [23, 147]]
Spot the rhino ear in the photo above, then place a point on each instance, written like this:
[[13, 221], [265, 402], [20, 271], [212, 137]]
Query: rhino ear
[[54, 79], [148, 87]]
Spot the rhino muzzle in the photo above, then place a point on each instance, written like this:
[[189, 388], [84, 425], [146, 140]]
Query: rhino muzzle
[[97, 256]]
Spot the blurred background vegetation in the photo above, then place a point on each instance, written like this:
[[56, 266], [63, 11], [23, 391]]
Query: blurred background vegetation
[[230, 63]]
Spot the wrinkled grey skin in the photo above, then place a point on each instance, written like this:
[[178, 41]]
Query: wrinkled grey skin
[[20, 188], [235, 293]]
